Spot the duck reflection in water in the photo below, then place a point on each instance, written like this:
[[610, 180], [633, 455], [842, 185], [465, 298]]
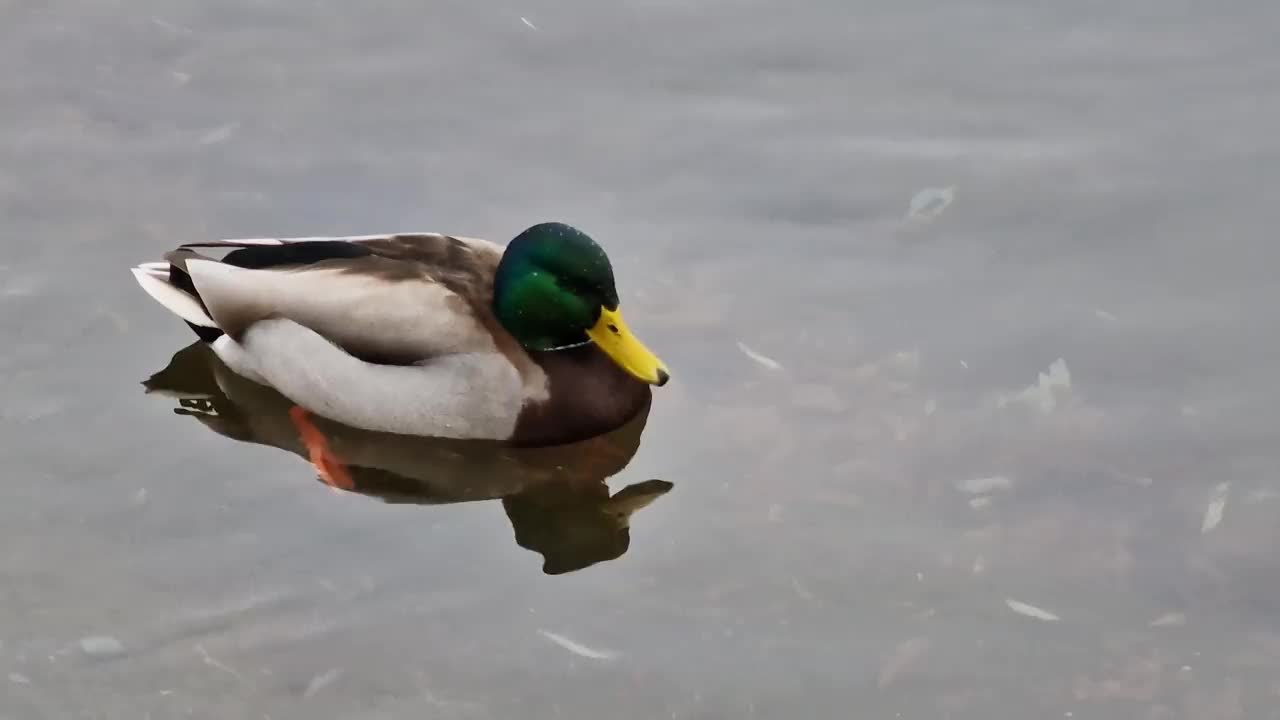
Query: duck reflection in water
[[556, 498]]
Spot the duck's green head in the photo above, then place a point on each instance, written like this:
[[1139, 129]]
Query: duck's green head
[[554, 289]]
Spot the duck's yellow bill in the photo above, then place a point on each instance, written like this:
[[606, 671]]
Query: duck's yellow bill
[[613, 337]]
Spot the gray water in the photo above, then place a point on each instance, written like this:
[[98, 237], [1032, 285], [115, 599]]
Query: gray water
[[876, 509]]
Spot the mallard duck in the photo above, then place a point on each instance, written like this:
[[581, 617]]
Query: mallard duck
[[422, 333]]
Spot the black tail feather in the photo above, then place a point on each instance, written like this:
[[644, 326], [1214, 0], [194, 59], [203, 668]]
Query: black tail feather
[[181, 280]]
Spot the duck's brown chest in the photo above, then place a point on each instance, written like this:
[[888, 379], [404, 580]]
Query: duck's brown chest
[[589, 396]]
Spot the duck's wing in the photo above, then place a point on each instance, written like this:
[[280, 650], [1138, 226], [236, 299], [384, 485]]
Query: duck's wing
[[388, 299]]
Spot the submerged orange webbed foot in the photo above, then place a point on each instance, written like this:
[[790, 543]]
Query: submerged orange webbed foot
[[332, 471]]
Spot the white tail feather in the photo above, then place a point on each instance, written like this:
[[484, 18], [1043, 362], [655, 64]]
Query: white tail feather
[[175, 300]]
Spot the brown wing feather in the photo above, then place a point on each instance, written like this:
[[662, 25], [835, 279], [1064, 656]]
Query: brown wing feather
[[409, 298]]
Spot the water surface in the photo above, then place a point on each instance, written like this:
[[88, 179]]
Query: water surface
[[869, 512]]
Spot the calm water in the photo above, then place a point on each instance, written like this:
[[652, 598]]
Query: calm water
[[876, 509]]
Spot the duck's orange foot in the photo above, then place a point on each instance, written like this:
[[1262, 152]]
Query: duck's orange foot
[[332, 471]]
